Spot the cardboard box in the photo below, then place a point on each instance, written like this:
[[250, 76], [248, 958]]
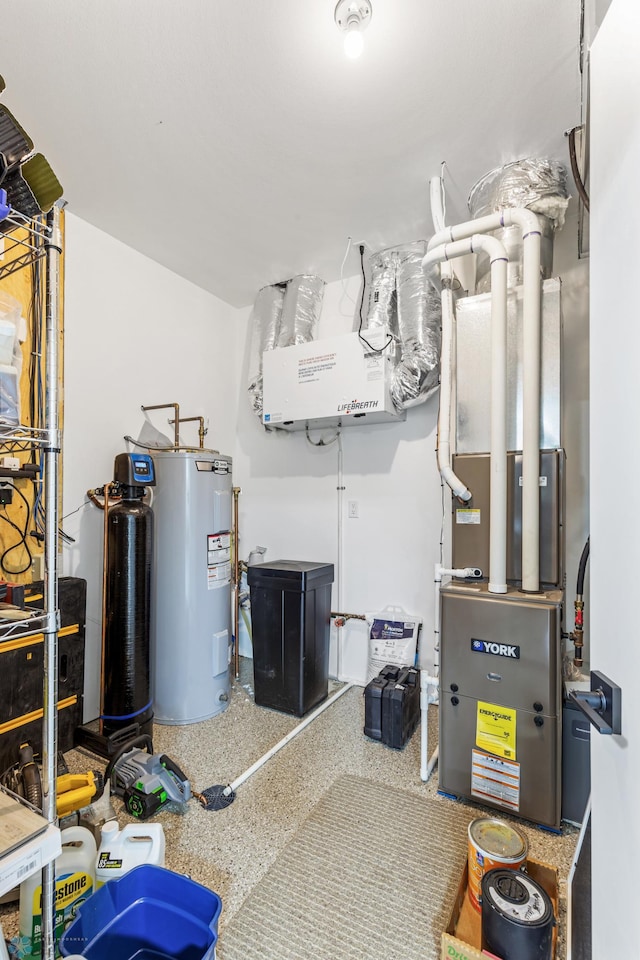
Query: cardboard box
[[462, 940]]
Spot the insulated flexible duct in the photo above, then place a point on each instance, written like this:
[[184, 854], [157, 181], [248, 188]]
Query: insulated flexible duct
[[301, 310], [405, 301], [264, 324], [539, 185]]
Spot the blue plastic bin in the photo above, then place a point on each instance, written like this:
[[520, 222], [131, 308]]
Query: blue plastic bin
[[148, 914]]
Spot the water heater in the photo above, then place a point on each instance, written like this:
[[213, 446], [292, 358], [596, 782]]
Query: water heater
[[191, 611]]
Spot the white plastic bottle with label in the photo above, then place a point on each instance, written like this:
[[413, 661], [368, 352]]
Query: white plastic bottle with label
[[75, 881], [122, 850]]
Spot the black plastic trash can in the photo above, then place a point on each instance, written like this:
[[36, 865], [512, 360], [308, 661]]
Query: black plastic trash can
[[290, 620]]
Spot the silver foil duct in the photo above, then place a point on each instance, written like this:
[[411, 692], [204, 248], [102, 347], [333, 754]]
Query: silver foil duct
[[537, 184], [264, 324], [403, 300], [301, 310]]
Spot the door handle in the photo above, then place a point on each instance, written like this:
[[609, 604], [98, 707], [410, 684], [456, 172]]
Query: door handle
[[602, 705]]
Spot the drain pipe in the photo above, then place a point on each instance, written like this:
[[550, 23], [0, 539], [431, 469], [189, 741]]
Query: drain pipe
[[498, 452], [340, 591], [232, 787], [443, 449], [531, 323], [236, 583], [427, 681]]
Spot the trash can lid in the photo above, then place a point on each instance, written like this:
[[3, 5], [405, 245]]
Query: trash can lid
[[290, 574]]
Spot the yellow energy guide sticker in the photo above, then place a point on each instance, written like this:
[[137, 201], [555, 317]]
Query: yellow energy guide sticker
[[496, 730]]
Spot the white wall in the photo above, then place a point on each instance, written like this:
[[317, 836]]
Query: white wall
[[135, 334], [615, 402], [289, 498]]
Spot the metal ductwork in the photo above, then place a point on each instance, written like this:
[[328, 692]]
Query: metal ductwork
[[301, 310], [264, 324], [405, 301], [539, 185]]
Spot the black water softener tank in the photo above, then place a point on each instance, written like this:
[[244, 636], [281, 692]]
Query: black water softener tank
[[126, 681]]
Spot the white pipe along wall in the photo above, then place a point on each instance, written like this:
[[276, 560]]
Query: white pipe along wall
[[498, 452], [458, 488], [532, 287]]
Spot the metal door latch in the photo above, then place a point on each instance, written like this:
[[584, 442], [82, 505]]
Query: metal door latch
[[602, 705]]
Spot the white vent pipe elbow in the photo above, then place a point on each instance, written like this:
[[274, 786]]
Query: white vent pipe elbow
[[443, 450], [498, 453], [447, 370], [531, 323]]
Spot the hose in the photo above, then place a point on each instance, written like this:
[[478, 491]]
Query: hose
[[582, 568], [30, 777], [575, 170], [577, 636]]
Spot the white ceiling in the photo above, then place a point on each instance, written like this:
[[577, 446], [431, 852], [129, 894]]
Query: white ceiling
[[234, 143]]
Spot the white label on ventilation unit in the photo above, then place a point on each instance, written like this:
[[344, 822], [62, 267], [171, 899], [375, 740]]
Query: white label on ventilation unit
[[468, 516], [374, 368], [312, 369]]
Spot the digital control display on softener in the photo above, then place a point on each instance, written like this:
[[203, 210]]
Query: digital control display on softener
[[134, 470], [143, 469]]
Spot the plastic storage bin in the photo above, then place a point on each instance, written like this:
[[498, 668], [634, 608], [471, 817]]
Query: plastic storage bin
[[148, 914], [291, 618]]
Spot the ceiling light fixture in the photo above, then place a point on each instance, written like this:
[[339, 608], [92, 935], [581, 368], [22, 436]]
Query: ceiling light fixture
[[352, 16]]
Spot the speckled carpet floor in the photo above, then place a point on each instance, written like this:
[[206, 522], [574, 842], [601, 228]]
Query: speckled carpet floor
[[371, 874]]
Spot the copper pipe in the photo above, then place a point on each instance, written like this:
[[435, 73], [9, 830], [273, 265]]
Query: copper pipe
[[347, 616], [201, 429], [577, 635], [236, 579], [175, 422]]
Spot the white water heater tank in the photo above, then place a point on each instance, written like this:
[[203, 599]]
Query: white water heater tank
[[191, 594]]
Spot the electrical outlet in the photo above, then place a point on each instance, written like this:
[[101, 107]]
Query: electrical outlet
[[6, 494], [353, 509], [37, 567], [360, 243]]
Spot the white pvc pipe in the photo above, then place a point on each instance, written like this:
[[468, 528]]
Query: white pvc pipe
[[443, 450], [340, 554], [531, 353], [532, 291], [426, 765], [458, 488], [285, 740], [426, 680], [498, 451]]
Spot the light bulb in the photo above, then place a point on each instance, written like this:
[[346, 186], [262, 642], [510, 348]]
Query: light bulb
[[353, 39]]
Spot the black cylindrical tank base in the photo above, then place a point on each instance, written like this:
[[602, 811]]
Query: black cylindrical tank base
[[144, 721]]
